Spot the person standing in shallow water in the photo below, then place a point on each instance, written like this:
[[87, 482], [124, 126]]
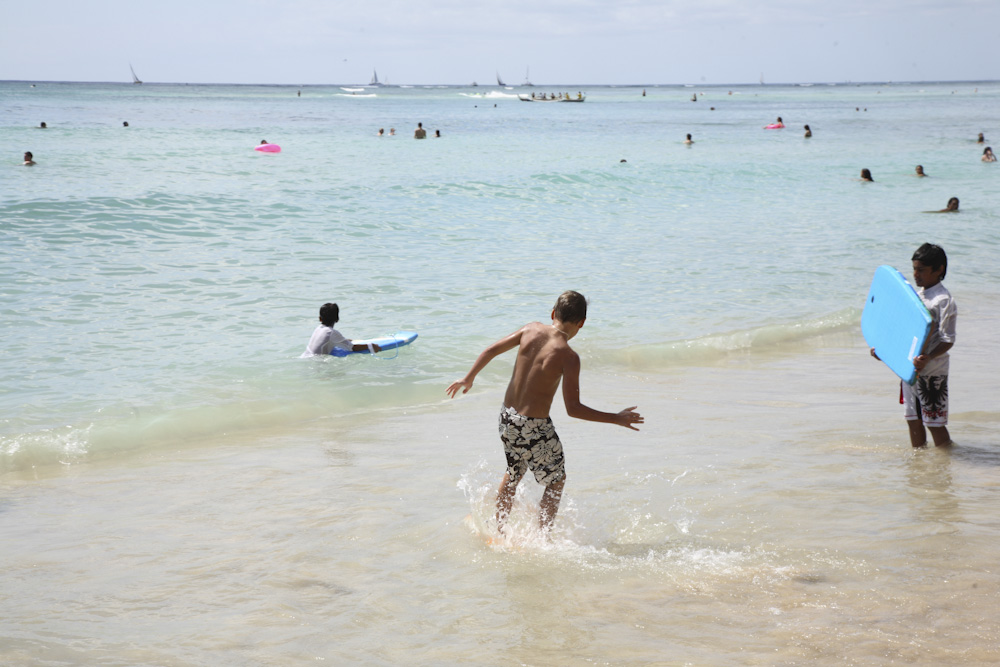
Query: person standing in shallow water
[[926, 402], [808, 133], [29, 159], [420, 132], [544, 358]]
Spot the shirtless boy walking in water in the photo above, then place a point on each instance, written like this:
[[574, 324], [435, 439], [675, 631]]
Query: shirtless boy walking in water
[[544, 357]]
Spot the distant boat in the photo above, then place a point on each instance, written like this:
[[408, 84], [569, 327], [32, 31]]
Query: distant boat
[[580, 97], [135, 79], [474, 84], [375, 82], [527, 81], [499, 80]]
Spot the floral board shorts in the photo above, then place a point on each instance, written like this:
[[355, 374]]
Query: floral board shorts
[[927, 400], [531, 443]]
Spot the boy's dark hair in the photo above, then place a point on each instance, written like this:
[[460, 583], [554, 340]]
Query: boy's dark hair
[[571, 307], [933, 256], [329, 313]]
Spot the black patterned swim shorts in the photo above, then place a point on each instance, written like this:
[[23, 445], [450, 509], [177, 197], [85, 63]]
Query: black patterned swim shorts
[[927, 400], [531, 443]]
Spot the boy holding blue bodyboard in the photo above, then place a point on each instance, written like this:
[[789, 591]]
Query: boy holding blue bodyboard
[[926, 401]]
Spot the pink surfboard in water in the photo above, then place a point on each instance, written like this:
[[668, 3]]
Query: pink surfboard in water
[[268, 148]]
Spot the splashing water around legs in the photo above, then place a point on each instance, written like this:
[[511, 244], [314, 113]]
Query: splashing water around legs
[[548, 507]]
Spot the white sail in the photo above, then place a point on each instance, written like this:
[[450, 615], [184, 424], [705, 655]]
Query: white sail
[[135, 79], [499, 80], [527, 78]]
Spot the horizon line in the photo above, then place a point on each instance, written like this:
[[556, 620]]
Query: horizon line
[[537, 85]]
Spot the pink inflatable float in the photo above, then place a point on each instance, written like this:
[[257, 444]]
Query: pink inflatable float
[[268, 148]]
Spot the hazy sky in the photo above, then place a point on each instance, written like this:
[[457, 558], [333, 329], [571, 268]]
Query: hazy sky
[[460, 41]]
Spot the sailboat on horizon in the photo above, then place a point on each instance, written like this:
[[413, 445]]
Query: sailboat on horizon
[[527, 80], [135, 79], [500, 81], [375, 83]]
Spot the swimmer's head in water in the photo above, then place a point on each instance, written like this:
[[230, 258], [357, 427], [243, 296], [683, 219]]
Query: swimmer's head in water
[[866, 175], [329, 313], [952, 204], [28, 156], [920, 170], [571, 307]]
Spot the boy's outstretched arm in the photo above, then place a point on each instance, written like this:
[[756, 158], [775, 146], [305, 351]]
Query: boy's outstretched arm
[[505, 344], [574, 408]]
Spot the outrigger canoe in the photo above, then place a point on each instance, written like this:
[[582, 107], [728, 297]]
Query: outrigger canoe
[[529, 98]]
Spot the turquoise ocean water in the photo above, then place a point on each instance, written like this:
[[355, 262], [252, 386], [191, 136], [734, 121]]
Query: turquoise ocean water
[[158, 282], [162, 276]]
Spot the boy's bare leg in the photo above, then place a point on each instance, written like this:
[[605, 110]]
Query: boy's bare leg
[[550, 504], [918, 437], [941, 436], [505, 500]]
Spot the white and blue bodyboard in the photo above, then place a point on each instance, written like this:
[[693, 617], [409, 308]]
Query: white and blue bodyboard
[[398, 339], [895, 322]]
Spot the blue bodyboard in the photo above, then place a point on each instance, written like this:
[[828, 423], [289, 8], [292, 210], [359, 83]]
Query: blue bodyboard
[[398, 339], [895, 322]]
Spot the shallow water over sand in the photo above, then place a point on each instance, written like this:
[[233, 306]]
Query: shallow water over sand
[[718, 535]]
